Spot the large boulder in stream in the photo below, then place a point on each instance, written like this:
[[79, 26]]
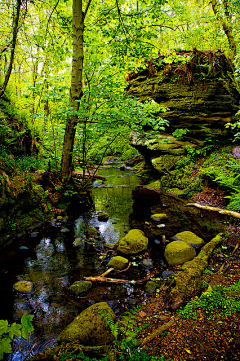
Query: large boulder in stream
[[133, 242], [89, 328], [178, 252], [191, 238]]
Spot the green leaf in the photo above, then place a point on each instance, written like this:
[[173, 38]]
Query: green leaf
[[3, 326], [14, 330], [5, 345], [26, 325]]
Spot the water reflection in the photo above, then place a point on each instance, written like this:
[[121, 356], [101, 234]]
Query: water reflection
[[114, 198]]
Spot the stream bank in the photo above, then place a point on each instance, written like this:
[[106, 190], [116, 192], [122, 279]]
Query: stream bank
[[47, 257]]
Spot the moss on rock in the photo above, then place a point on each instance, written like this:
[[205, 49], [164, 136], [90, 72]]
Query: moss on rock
[[159, 217], [80, 287], [118, 262], [89, 328], [23, 286], [178, 252], [191, 238], [133, 242]]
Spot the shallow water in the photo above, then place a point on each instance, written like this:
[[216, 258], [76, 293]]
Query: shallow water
[[46, 256]]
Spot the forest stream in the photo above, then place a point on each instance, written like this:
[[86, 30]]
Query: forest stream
[[47, 257]]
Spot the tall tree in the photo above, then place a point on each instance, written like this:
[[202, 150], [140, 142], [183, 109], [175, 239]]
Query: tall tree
[[76, 90], [13, 46]]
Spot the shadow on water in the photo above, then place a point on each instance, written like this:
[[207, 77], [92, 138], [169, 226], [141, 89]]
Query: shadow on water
[[46, 256]]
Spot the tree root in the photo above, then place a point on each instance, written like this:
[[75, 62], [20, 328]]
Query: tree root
[[215, 209]]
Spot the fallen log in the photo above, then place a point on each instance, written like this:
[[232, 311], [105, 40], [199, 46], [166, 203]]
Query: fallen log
[[187, 282], [90, 175], [157, 332], [214, 209]]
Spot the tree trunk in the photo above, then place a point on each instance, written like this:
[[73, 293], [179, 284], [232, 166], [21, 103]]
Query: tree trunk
[[226, 28], [14, 41], [75, 89]]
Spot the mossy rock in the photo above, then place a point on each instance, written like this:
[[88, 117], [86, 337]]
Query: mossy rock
[[118, 262], [78, 242], [80, 287], [151, 287], [89, 328], [191, 238], [110, 245], [159, 217], [179, 252], [178, 192], [23, 286], [92, 232], [165, 163], [102, 217], [133, 242]]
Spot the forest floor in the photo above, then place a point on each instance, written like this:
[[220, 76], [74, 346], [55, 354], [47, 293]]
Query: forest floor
[[211, 336]]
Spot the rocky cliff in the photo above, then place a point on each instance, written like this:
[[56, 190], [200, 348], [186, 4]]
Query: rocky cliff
[[197, 89]]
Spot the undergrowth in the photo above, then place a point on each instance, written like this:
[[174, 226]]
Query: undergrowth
[[226, 300]]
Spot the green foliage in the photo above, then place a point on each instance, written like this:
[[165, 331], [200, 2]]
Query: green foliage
[[225, 299], [204, 284], [126, 330], [234, 205], [28, 163], [208, 272], [7, 332], [179, 132]]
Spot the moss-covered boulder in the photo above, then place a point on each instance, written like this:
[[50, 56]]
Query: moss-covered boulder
[[118, 262], [178, 252], [133, 242], [191, 238], [151, 286], [80, 287], [89, 328], [102, 216], [23, 286], [159, 217]]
